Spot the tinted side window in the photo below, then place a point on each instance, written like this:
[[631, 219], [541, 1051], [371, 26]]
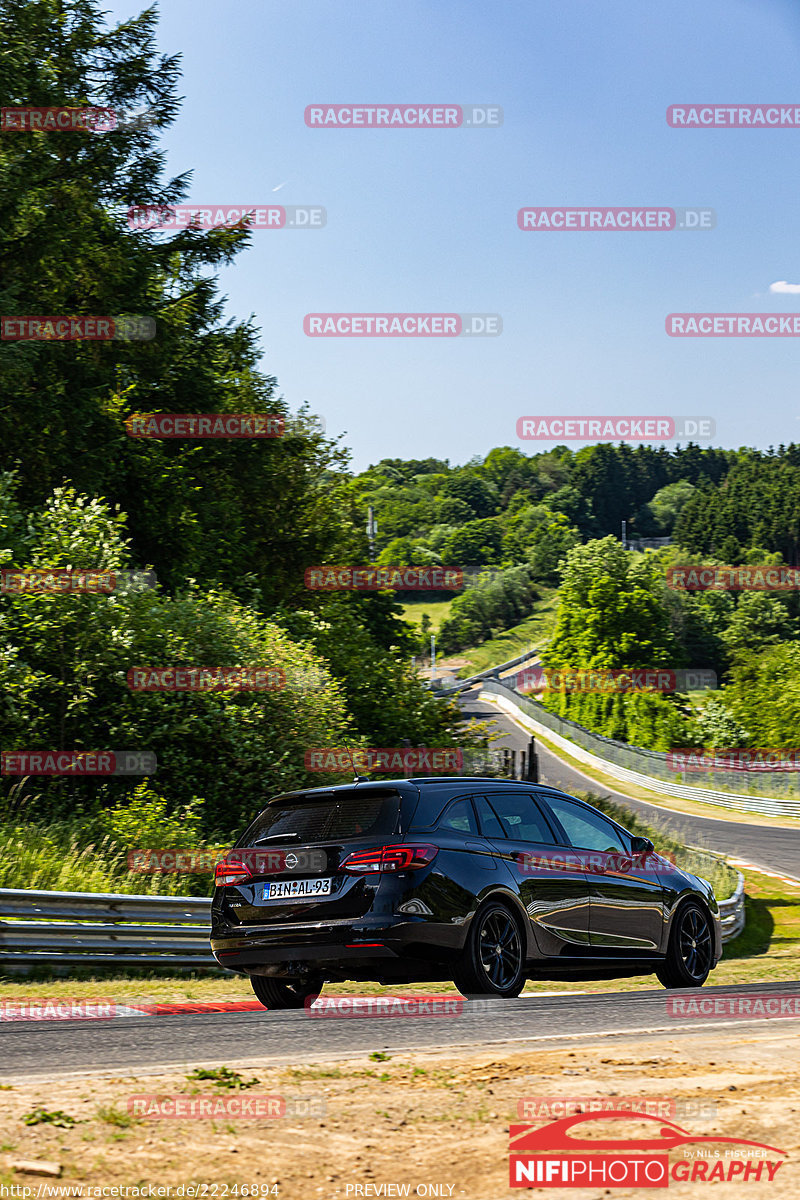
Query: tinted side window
[[490, 825], [432, 803], [459, 816], [519, 817], [586, 828]]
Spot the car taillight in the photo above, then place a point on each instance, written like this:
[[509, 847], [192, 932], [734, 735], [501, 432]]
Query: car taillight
[[408, 857], [226, 873]]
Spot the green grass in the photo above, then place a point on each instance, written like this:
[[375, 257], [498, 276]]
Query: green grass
[[437, 610], [768, 948], [65, 856], [41, 1116], [530, 634], [222, 1077], [114, 1116]]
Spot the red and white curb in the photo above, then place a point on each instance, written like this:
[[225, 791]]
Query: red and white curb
[[181, 1007], [103, 1009]]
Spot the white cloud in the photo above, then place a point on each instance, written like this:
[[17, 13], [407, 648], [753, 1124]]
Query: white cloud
[[791, 289]]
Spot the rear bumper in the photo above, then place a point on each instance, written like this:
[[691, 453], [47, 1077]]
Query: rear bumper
[[280, 950]]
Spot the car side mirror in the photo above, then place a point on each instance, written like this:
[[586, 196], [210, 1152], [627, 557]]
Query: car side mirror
[[641, 845]]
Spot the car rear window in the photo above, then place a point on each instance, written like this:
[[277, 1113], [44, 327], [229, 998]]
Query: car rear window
[[339, 817]]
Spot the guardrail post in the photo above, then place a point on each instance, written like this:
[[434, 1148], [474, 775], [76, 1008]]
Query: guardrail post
[[533, 762]]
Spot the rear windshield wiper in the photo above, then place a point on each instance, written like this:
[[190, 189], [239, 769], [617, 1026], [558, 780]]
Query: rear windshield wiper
[[276, 837]]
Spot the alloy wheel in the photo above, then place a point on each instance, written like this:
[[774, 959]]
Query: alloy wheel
[[500, 949], [695, 943]]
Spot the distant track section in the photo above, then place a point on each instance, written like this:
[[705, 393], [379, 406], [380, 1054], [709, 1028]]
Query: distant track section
[[614, 758]]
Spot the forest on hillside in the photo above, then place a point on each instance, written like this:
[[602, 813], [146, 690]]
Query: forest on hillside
[[228, 527]]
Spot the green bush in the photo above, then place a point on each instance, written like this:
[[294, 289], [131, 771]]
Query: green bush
[[64, 663], [486, 609], [144, 821]]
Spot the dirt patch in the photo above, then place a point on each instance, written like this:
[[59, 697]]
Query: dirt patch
[[420, 1120]]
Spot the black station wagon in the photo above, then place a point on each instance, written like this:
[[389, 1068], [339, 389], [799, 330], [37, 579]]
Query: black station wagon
[[486, 882]]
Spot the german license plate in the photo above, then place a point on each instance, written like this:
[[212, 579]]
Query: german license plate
[[297, 889]]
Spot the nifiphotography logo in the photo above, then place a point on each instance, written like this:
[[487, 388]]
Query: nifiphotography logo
[[591, 1149]]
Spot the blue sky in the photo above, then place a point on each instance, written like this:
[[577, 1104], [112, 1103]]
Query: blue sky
[[425, 220]]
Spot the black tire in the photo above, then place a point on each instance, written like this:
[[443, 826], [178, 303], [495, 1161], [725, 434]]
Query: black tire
[[690, 953], [284, 993], [493, 960]]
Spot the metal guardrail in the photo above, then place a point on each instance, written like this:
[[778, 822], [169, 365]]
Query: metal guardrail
[[633, 764], [108, 929], [731, 912], [488, 673], [112, 929]]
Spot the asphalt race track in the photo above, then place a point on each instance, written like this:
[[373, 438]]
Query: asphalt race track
[[769, 846], [48, 1048], [147, 1043]]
